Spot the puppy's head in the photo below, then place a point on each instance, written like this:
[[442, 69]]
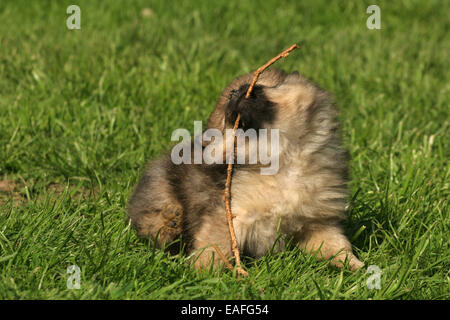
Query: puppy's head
[[287, 102]]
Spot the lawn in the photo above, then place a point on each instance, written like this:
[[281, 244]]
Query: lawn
[[81, 111]]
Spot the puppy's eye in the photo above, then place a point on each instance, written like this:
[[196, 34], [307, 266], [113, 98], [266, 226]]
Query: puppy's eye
[[233, 94]]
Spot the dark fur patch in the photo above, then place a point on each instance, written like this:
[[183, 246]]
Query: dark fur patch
[[256, 110]]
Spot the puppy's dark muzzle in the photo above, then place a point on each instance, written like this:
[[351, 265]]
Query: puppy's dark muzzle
[[256, 110]]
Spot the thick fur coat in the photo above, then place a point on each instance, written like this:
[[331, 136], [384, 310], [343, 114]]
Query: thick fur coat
[[305, 200]]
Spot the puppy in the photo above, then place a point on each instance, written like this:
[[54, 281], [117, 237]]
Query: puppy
[[304, 199]]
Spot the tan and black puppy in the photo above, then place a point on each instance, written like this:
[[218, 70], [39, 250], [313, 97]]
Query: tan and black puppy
[[305, 199]]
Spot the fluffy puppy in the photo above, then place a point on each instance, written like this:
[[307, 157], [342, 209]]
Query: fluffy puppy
[[304, 200]]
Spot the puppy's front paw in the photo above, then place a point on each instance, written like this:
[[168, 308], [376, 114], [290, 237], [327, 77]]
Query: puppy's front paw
[[355, 264], [171, 217]]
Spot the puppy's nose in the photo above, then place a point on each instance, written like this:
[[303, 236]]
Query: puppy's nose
[[237, 94]]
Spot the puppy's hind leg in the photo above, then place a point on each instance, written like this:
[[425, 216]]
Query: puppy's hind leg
[[154, 211], [162, 224], [329, 242]]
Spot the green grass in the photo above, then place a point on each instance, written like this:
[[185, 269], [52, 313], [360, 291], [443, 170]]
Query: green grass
[[81, 112]]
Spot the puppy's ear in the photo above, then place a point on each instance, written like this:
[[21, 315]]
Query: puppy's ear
[[292, 78]]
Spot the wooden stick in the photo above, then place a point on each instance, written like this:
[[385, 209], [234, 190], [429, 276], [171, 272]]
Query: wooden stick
[[260, 70], [230, 217], [227, 194], [222, 256]]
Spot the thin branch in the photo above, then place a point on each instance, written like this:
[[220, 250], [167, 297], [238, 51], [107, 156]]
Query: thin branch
[[260, 70], [222, 256], [227, 194], [230, 216]]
